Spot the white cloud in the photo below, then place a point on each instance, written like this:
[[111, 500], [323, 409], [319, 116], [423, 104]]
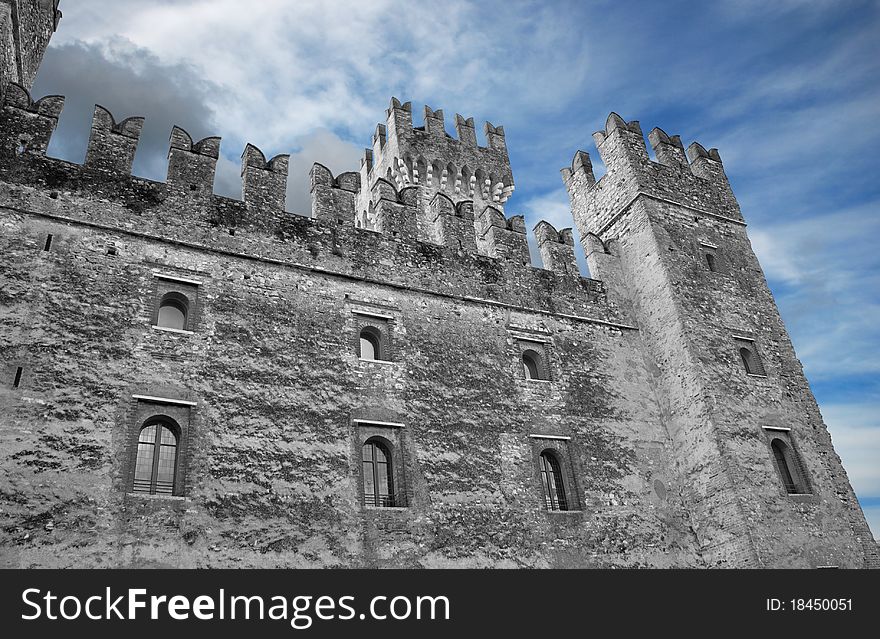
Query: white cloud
[[326, 148], [287, 68], [553, 207], [826, 269], [321, 146]]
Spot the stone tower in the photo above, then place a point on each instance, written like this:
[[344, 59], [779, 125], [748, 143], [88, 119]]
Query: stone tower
[[25, 29], [457, 177], [668, 236]]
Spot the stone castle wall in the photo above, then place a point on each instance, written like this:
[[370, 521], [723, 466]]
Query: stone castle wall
[[662, 438], [275, 390]]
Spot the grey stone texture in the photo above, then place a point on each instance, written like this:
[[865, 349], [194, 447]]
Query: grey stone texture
[[25, 29], [663, 440], [646, 228]]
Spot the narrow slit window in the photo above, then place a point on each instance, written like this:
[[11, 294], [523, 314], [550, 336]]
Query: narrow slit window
[[17, 381], [710, 262], [788, 467], [750, 361], [48, 244]]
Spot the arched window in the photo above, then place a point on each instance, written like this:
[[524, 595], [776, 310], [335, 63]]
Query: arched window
[[371, 343], [156, 464], [551, 478], [748, 359], [710, 261], [787, 465], [377, 471], [533, 365], [173, 311]]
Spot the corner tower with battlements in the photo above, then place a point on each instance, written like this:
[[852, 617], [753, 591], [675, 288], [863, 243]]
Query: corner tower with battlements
[[192, 380], [461, 184], [25, 29], [763, 485]]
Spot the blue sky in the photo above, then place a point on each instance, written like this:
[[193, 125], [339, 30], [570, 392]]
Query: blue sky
[[788, 90]]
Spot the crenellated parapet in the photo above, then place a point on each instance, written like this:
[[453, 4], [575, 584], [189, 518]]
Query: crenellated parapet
[[451, 224], [408, 236], [396, 213], [429, 157], [556, 248], [333, 197], [503, 238], [263, 187], [694, 179], [191, 165], [112, 146], [28, 124]]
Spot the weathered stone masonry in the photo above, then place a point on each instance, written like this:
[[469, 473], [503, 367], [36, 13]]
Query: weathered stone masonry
[[663, 440]]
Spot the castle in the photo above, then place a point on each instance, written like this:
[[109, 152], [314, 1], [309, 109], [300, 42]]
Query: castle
[[190, 380]]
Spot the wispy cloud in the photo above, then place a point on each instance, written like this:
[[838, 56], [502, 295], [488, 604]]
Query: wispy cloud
[[827, 274]]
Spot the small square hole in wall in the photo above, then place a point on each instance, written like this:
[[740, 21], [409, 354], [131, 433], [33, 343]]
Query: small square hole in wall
[[111, 249]]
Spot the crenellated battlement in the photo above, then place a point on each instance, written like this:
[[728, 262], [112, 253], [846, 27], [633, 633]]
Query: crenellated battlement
[[32, 122], [263, 187], [695, 178], [556, 247], [406, 234], [112, 146], [430, 157]]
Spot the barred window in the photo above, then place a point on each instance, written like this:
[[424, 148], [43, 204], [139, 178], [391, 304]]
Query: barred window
[[551, 478], [156, 465], [377, 472]]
